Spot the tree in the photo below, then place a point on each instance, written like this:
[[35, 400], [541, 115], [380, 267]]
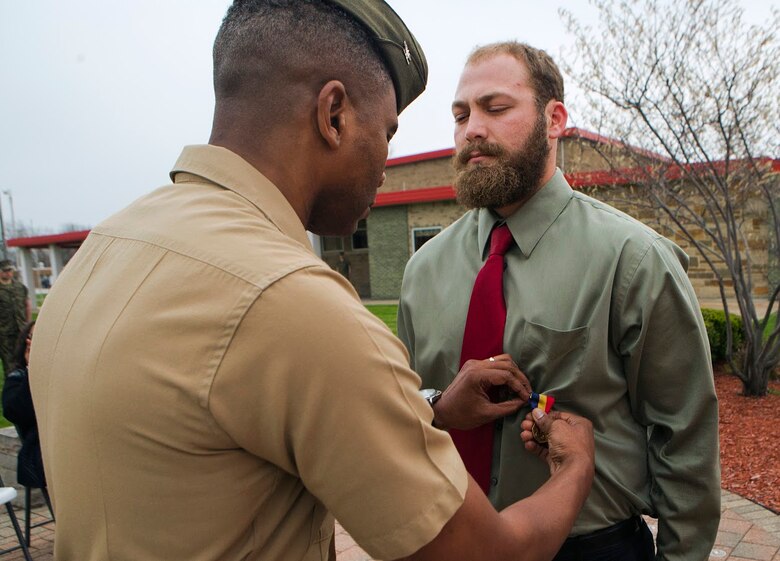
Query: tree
[[693, 90]]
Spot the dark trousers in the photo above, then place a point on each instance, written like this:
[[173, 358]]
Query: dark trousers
[[630, 540]]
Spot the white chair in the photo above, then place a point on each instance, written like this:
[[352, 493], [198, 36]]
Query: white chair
[[8, 494]]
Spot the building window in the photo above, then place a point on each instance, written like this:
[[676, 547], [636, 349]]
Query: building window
[[331, 243], [360, 237], [422, 235]]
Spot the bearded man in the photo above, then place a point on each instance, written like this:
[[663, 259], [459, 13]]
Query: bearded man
[[599, 314]]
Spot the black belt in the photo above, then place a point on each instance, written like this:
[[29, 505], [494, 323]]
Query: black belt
[[602, 538]]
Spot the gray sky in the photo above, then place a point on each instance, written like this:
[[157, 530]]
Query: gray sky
[[97, 97]]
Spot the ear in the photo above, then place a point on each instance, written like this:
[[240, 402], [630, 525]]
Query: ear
[[332, 104], [557, 116]]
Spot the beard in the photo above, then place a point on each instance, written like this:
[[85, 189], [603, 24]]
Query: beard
[[511, 178]]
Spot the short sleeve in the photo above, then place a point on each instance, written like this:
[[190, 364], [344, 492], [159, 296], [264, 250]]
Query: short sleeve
[[314, 383]]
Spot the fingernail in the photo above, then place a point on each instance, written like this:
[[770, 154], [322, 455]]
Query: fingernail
[[537, 413]]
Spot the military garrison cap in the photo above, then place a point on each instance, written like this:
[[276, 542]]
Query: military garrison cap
[[399, 49]]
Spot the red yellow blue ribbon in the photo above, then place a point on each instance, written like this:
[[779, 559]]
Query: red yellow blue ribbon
[[542, 401]]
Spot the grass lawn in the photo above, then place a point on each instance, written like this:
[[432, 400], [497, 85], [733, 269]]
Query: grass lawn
[[388, 313], [770, 325]]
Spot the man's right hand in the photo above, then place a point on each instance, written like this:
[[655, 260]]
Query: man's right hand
[[534, 528], [570, 438], [466, 403]]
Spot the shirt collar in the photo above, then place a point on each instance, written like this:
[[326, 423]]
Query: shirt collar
[[529, 223], [222, 167]]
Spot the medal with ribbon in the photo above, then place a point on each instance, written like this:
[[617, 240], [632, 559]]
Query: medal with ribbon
[[545, 403]]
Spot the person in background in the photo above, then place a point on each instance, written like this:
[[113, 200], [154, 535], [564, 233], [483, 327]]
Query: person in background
[[600, 315], [14, 311], [343, 266], [18, 408]]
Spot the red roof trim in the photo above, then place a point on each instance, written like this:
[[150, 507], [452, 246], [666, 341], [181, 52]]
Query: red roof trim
[[66, 239], [424, 195], [435, 155]]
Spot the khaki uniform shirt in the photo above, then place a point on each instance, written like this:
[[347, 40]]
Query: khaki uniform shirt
[[601, 315], [208, 389]]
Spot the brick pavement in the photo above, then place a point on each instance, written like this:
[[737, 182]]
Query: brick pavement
[[747, 532]]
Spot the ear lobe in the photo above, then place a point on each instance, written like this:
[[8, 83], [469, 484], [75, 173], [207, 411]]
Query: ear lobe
[[557, 116], [331, 113]]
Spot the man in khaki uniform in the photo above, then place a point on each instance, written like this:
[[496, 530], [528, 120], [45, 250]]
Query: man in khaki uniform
[[209, 389]]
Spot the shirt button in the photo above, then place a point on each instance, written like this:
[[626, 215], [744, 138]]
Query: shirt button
[[494, 480]]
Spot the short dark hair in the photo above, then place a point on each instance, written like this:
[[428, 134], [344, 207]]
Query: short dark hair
[[546, 78], [19, 360], [262, 44]]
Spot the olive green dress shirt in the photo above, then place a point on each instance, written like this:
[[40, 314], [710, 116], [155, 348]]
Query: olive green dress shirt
[[602, 316], [208, 389]]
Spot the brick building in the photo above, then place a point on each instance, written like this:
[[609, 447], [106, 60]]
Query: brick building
[[418, 201]]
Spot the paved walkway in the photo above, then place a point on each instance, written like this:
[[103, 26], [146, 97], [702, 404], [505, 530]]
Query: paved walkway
[[747, 532]]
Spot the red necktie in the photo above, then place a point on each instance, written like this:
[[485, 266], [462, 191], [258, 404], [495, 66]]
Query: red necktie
[[483, 338]]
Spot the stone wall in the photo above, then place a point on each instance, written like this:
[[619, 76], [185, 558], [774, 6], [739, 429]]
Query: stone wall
[[579, 155], [388, 242], [441, 213], [388, 235], [755, 220], [426, 173]]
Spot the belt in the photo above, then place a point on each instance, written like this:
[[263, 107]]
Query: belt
[[602, 538]]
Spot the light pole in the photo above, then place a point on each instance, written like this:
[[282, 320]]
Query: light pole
[[2, 230], [7, 192]]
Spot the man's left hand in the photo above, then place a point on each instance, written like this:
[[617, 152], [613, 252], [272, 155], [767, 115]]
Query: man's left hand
[[466, 403]]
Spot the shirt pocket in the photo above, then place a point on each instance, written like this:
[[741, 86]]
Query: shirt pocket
[[552, 359]]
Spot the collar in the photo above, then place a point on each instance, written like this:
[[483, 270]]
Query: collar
[[529, 223], [220, 166]]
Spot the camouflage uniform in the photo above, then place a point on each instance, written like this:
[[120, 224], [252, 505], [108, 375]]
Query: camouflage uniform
[[13, 316]]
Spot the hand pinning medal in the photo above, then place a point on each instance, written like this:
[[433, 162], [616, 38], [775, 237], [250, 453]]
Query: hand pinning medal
[[545, 403]]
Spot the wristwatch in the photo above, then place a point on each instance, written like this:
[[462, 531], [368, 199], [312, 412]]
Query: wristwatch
[[430, 395]]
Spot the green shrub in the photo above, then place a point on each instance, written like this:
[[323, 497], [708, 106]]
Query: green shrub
[[715, 322]]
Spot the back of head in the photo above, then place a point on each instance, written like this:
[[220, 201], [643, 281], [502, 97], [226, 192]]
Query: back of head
[[546, 78], [20, 355], [270, 52]]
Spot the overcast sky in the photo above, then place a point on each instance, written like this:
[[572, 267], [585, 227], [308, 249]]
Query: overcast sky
[[97, 97]]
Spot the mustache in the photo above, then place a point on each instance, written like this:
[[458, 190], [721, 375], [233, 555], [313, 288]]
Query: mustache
[[484, 148]]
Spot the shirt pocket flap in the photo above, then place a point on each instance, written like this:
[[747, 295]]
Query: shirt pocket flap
[[552, 358]]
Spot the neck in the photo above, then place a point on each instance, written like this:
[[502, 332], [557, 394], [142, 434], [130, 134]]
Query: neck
[[282, 171], [274, 149]]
